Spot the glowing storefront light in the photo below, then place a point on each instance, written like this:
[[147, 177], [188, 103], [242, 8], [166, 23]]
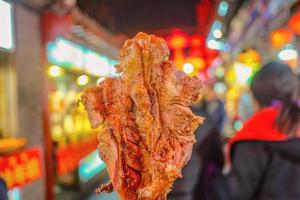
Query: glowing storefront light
[[100, 80], [83, 80], [67, 54], [223, 8], [55, 71], [217, 33], [90, 166], [6, 26], [188, 68], [93, 63], [218, 45], [242, 72], [287, 54]]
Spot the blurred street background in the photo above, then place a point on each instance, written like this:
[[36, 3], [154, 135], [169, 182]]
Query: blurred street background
[[51, 50]]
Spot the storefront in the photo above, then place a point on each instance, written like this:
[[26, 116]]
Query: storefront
[[72, 68], [20, 164], [7, 120], [72, 64]]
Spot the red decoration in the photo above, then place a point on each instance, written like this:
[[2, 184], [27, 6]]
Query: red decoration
[[294, 23], [178, 40], [69, 156], [197, 41], [21, 168], [54, 25]]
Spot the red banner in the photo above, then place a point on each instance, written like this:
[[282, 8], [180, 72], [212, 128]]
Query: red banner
[[69, 156], [21, 168]]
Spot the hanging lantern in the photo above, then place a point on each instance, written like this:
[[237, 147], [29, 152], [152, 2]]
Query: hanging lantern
[[197, 41], [294, 23], [178, 40], [281, 37]]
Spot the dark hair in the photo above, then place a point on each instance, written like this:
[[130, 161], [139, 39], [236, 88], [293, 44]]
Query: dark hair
[[277, 82]]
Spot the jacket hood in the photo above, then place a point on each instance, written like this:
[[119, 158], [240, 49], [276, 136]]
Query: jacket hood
[[260, 127]]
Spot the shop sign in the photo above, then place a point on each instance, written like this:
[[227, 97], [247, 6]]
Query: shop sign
[[6, 26], [68, 157], [67, 54], [21, 168]]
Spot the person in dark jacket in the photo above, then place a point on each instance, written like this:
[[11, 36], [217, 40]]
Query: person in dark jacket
[[208, 140], [264, 156], [3, 190]]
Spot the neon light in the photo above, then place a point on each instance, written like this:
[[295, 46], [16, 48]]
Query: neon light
[[67, 54], [97, 64], [90, 166], [14, 194], [6, 33], [223, 8]]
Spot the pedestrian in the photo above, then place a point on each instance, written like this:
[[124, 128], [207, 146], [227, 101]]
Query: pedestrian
[[264, 157]]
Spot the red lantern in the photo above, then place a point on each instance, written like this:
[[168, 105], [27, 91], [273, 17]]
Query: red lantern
[[178, 40], [280, 37], [197, 41], [294, 23]]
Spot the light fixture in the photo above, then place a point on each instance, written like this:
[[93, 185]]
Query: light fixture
[[242, 72], [83, 80], [101, 79], [188, 68], [287, 54], [213, 44], [217, 33], [223, 8], [54, 71], [218, 45], [220, 88]]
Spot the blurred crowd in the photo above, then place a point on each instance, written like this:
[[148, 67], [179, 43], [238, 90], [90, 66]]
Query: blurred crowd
[[262, 160]]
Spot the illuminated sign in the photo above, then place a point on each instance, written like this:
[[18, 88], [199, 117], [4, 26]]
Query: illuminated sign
[[67, 54], [90, 166], [6, 27], [223, 8], [21, 168], [68, 157]]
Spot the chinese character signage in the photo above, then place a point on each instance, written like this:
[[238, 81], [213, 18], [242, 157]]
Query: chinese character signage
[[21, 168]]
